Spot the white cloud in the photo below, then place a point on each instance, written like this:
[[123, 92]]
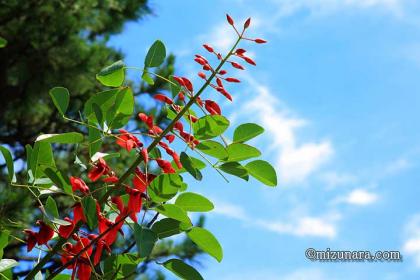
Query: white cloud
[[298, 225], [333, 179], [359, 197], [411, 245], [295, 161]]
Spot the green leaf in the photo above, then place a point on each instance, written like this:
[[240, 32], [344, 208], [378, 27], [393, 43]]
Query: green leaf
[[194, 202], [5, 264], [98, 114], [166, 227], [210, 126], [263, 172], [145, 240], [174, 212], [196, 163], [63, 138], [239, 151], [62, 277], [60, 97], [156, 55], [247, 131], [89, 209], [125, 264], [51, 208], [117, 106], [236, 169], [213, 148], [206, 241], [7, 155], [182, 270], [4, 240], [188, 165], [147, 78], [3, 42], [41, 158], [95, 140], [112, 75], [164, 187], [57, 178]]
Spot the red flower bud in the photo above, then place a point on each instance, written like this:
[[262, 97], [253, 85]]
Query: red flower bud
[[249, 60], [202, 75], [206, 67], [200, 61], [66, 231], [222, 72], [45, 233], [212, 107], [148, 120], [181, 96], [232, 80], [247, 23], [165, 165], [237, 65], [208, 48], [78, 184], [163, 98], [187, 83], [224, 93], [179, 126], [145, 155], [170, 138], [260, 41], [192, 118], [179, 80], [100, 168], [127, 140], [240, 51], [177, 161], [229, 19], [219, 82]]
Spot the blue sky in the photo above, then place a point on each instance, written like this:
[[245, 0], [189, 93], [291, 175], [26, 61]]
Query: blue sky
[[337, 89]]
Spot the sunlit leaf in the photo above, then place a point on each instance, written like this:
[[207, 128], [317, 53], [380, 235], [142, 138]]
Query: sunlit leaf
[[182, 270], [247, 131], [236, 169], [210, 126], [262, 171], [206, 241], [60, 97], [213, 148], [239, 152], [145, 240], [188, 165], [174, 212], [5, 264], [112, 75], [156, 55], [7, 155], [166, 227], [63, 138], [193, 202]]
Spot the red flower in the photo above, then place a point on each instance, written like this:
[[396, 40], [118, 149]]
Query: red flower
[[104, 224], [170, 137], [78, 184], [232, 80], [78, 213], [82, 264], [66, 231], [100, 168], [145, 155], [187, 83], [247, 23], [31, 239], [260, 41], [165, 165], [141, 180], [212, 107], [177, 161], [179, 126], [127, 140], [118, 201], [148, 120], [134, 202], [45, 233], [163, 98], [222, 72], [111, 179], [237, 65], [202, 75]]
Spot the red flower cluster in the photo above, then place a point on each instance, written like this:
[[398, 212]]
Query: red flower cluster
[[41, 237]]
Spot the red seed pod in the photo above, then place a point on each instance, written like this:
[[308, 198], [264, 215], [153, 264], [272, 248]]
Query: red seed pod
[[206, 67], [222, 72], [179, 80], [237, 65], [229, 19], [260, 41], [240, 51], [170, 138], [212, 107], [187, 83], [219, 82], [179, 126], [181, 96], [208, 48], [202, 75], [232, 80], [192, 118], [145, 155], [247, 23], [200, 61], [249, 60], [163, 98]]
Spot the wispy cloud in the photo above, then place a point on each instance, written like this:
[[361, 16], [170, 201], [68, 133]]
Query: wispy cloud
[[295, 160], [301, 226], [411, 245], [359, 197]]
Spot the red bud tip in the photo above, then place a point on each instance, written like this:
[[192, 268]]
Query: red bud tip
[[249, 60], [200, 61], [219, 82], [260, 41], [206, 67], [202, 75], [229, 19], [222, 72], [208, 48], [237, 65], [240, 51], [232, 80], [247, 23]]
